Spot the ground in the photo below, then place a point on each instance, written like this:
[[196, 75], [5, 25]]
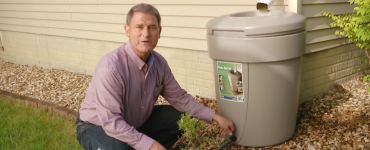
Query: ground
[[337, 119]]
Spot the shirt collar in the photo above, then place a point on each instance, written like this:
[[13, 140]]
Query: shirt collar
[[136, 59]]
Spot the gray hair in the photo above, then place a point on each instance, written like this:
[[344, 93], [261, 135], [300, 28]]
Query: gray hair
[[145, 8]]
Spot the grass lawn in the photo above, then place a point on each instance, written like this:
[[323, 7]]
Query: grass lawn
[[27, 128]]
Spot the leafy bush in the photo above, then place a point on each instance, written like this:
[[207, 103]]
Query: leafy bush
[[191, 128], [355, 26]]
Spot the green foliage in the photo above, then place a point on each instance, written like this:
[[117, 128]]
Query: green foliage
[[367, 78], [332, 105], [355, 26], [191, 128]]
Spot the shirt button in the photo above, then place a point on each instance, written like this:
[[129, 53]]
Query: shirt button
[[142, 107], [140, 121], [144, 92]]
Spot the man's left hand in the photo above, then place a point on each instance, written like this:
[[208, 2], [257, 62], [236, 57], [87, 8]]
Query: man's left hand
[[226, 125]]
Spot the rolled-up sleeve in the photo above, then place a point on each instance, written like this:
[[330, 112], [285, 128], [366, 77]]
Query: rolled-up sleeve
[[109, 92], [181, 100]]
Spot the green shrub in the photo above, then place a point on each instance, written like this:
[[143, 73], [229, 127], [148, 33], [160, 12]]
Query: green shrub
[[191, 128], [355, 26]]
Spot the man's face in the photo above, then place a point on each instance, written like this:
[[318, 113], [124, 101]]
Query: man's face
[[143, 32]]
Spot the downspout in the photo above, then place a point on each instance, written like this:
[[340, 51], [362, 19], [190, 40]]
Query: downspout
[[295, 6], [264, 5]]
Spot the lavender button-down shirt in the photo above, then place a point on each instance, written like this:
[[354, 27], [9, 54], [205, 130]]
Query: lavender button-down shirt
[[123, 91]]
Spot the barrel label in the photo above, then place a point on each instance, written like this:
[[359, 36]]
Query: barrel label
[[230, 80]]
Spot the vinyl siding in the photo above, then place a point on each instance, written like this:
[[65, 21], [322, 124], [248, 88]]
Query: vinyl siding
[[183, 21], [73, 35], [329, 59], [320, 36]]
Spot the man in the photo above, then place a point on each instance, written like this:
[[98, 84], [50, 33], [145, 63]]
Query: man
[[118, 111]]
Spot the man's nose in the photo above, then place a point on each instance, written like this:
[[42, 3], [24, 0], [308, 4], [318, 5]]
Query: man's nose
[[146, 32]]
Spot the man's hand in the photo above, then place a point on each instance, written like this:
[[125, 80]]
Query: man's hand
[[157, 146], [227, 127]]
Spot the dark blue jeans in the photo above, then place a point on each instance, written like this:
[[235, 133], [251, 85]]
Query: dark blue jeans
[[160, 126]]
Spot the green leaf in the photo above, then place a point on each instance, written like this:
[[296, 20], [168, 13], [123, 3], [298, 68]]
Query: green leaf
[[191, 128], [367, 77], [368, 90]]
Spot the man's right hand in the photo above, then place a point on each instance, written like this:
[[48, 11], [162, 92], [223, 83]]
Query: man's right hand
[[226, 125], [157, 146]]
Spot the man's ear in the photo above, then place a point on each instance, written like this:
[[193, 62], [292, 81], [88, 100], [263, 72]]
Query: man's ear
[[127, 29], [160, 30]]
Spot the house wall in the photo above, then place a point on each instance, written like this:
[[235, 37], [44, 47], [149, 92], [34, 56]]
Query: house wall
[[73, 35], [329, 58]]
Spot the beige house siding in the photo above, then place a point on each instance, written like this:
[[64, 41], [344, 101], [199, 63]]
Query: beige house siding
[[320, 36], [329, 59], [183, 21], [73, 35], [71, 54]]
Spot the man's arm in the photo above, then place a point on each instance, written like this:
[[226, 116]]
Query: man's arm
[[181, 100], [186, 103], [108, 96]]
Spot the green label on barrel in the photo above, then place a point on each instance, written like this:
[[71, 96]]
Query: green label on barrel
[[230, 80]]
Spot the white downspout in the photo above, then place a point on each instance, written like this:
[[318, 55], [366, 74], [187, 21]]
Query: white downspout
[[264, 5]]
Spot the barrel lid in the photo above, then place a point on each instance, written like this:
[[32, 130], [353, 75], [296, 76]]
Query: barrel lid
[[256, 23]]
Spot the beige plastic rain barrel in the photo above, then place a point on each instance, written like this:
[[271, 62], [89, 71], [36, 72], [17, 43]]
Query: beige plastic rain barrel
[[257, 66]]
